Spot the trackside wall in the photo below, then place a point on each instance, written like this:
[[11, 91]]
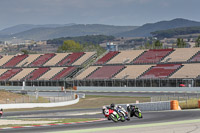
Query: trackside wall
[[34, 105], [152, 106], [141, 89]]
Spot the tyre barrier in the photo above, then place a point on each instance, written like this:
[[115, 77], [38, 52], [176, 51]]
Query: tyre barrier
[[199, 103], [175, 105]]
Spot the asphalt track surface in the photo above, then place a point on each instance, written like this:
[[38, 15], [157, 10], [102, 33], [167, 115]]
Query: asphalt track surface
[[149, 117]]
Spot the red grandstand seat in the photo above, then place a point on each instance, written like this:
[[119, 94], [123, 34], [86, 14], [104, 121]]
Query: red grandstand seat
[[153, 56], [42, 59], [64, 73], [37, 73], [107, 57], [10, 73], [70, 59], [15, 60], [160, 71], [196, 58], [105, 72]]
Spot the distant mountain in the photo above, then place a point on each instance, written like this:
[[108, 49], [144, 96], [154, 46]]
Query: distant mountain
[[24, 27], [44, 33], [146, 29]]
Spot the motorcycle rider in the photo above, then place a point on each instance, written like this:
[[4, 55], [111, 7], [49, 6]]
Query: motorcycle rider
[[117, 108], [132, 109], [1, 113]]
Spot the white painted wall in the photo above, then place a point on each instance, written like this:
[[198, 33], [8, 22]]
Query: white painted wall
[[34, 105]]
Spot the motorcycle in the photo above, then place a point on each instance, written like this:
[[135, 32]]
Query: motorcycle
[[113, 115], [134, 111], [1, 113], [123, 114]]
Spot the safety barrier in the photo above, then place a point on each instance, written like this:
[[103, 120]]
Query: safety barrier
[[156, 106], [34, 105], [139, 89], [174, 105], [199, 103]]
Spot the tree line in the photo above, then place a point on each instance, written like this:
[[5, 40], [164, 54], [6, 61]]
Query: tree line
[[180, 43], [89, 39], [176, 31]]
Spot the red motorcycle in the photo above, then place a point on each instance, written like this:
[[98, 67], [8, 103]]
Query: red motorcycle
[[112, 115]]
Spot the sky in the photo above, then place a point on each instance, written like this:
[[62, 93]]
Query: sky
[[112, 12]]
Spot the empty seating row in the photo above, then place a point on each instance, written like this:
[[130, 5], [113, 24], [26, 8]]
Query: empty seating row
[[86, 72], [125, 56], [106, 57], [160, 71], [9, 73], [152, 56], [49, 59], [15, 60], [105, 72], [181, 55], [42, 73], [42, 59], [70, 59], [196, 58], [28, 60], [132, 71], [65, 72], [188, 71]]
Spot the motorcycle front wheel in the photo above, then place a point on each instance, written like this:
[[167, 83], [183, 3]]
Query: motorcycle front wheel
[[113, 118], [122, 118]]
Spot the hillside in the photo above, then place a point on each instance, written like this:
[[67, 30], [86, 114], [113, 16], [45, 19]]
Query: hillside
[[176, 32], [89, 39], [71, 31], [24, 27], [145, 30]]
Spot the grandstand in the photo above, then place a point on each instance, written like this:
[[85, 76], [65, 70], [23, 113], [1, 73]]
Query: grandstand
[[106, 57], [132, 71], [15, 60], [152, 56], [9, 73], [28, 60], [58, 57], [5, 59], [190, 71], [160, 71], [181, 55], [124, 57], [41, 60], [65, 73], [105, 72], [71, 58], [154, 67]]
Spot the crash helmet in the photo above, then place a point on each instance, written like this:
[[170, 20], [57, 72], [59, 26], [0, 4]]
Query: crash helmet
[[112, 105]]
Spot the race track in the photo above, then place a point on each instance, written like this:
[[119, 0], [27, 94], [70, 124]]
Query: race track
[[149, 118]]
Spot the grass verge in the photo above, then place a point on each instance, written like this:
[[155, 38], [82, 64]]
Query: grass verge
[[189, 104], [94, 102]]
